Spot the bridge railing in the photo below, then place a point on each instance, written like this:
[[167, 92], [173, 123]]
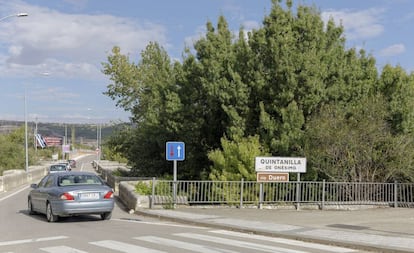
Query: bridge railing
[[320, 194]]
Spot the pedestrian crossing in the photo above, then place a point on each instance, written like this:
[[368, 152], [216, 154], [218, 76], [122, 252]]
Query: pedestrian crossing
[[214, 241]]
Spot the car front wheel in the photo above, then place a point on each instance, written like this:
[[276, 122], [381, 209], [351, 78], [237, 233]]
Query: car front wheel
[[49, 214]]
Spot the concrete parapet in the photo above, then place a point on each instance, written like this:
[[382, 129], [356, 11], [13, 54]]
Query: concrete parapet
[[13, 179], [37, 172], [168, 200], [125, 187], [133, 200], [130, 198], [16, 178]]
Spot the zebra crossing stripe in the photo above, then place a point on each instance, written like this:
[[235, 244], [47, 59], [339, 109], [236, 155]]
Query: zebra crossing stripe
[[233, 245], [183, 245], [124, 247], [62, 249], [242, 244], [318, 246], [16, 242]]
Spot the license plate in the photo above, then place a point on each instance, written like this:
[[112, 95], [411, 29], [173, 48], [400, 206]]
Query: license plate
[[89, 196]]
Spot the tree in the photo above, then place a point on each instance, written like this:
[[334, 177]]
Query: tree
[[355, 143], [213, 95], [236, 159], [123, 74], [12, 151], [148, 90], [398, 88], [118, 144], [291, 83]]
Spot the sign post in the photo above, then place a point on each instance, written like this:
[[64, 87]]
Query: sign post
[[175, 151], [278, 169]]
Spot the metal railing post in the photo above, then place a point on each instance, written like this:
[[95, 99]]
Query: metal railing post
[[395, 194], [323, 194], [298, 198], [261, 195], [241, 193], [152, 193]]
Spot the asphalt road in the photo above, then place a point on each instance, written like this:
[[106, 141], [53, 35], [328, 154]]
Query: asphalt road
[[125, 232]]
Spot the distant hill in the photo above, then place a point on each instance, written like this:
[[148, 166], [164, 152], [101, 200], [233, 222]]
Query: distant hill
[[80, 131]]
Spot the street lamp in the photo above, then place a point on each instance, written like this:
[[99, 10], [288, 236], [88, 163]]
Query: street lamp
[[21, 14], [26, 149], [98, 139]]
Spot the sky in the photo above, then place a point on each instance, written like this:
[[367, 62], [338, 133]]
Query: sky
[[51, 60]]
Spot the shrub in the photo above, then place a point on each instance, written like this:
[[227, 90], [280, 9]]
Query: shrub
[[143, 188]]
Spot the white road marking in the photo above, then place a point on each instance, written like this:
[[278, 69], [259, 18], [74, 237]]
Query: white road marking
[[16, 242], [62, 249], [243, 244], [212, 245], [14, 193], [124, 247], [160, 223], [285, 241], [183, 245]]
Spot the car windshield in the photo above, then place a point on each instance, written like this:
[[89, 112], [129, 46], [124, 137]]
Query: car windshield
[[57, 168], [78, 179]]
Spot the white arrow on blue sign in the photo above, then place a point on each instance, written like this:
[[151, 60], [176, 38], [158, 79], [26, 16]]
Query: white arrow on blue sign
[[175, 151]]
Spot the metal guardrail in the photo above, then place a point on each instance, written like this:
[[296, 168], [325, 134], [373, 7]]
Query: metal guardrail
[[320, 193], [277, 193]]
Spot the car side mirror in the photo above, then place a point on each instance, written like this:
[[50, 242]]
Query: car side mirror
[[34, 186]]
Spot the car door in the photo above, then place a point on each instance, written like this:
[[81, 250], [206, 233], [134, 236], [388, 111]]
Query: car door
[[36, 194], [43, 193]]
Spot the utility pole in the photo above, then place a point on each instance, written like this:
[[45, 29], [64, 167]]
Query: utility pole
[[35, 137]]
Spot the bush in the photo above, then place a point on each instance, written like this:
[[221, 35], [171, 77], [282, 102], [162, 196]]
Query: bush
[[143, 188]]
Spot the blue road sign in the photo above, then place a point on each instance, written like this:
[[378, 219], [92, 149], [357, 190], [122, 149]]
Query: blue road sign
[[175, 151]]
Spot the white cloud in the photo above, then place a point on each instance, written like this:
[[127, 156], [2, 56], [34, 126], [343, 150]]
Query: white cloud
[[199, 33], [358, 24], [392, 50], [71, 44]]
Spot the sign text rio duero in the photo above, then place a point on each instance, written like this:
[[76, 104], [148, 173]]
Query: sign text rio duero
[[272, 177], [280, 164]]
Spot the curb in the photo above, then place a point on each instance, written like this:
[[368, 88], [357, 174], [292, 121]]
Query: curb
[[356, 246]]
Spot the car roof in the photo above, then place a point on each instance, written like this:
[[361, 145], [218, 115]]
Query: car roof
[[57, 165], [76, 173]]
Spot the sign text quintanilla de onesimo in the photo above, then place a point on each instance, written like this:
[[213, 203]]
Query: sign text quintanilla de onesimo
[[280, 164]]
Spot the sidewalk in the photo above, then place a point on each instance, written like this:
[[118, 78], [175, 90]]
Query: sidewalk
[[375, 229]]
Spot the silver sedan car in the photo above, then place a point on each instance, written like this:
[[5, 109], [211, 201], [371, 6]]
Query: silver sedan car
[[57, 168], [71, 193]]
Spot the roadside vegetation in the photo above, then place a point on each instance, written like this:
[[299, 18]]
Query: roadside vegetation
[[288, 88], [12, 151], [12, 143]]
